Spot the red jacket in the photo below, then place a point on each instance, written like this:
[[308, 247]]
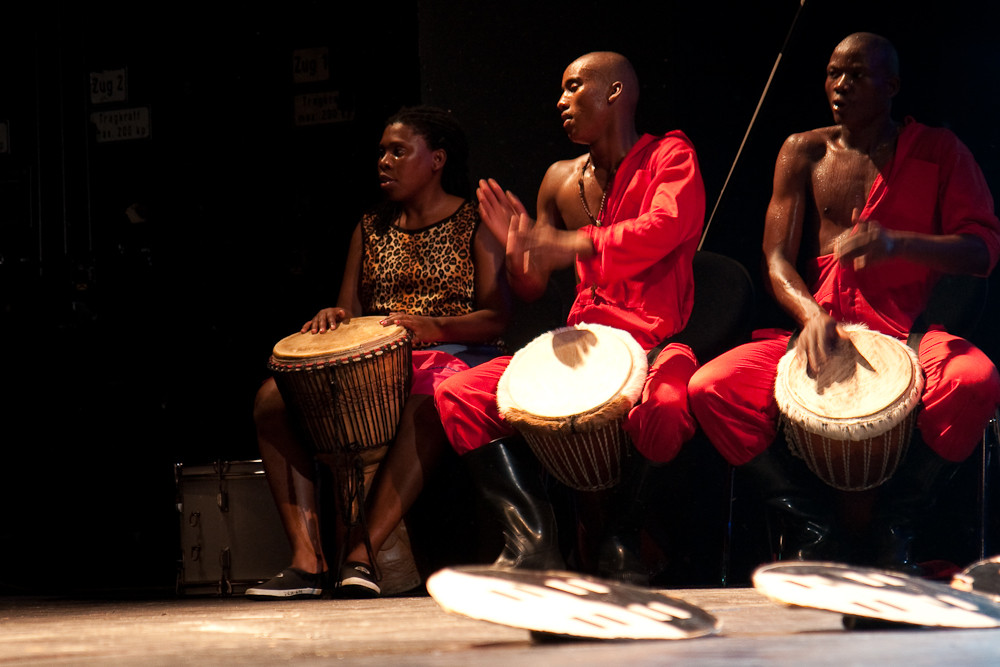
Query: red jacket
[[639, 278]]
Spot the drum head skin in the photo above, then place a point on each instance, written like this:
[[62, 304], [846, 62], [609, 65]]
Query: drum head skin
[[359, 335], [573, 370], [864, 377], [875, 594], [559, 604]]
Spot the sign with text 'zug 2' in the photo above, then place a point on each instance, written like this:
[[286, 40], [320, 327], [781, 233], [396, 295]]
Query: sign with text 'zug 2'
[[109, 86]]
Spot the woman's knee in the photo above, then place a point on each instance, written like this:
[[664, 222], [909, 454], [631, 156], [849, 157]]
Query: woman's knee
[[268, 404]]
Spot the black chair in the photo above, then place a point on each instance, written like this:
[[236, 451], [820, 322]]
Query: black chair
[[721, 318], [723, 306], [958, 303]]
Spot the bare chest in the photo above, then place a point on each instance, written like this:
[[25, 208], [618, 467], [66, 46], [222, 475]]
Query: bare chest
[[841, 182], [573, 208]]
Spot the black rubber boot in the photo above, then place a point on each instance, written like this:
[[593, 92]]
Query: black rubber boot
[[904, 501], [804, 503], [509, 477], [619, 556]]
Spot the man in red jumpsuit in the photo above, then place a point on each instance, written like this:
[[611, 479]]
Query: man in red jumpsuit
[[629, 213], [872, 212]]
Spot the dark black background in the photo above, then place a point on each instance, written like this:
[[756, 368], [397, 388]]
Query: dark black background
[[134, 346]]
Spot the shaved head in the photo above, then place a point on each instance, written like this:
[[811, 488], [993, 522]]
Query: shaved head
[[612, 68], [879, 50]]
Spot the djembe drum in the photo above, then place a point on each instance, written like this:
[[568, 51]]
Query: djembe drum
[[567, 392], [345, 389], [852, 422]]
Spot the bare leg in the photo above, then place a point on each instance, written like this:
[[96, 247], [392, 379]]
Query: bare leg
[[291, 475], [420, 440]]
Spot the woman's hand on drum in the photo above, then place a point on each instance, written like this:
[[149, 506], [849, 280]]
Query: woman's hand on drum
[[818, 340], [424, 329], [328, 318]]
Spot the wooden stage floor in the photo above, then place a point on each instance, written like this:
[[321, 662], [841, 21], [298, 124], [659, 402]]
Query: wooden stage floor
[[168, 630]]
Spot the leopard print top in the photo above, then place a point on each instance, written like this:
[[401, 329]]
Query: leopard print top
[[428, 271]]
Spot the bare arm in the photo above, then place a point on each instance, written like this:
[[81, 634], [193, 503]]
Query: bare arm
[[532, 249], [544, 246], [783, 230], [869, 243], [501, 211], [348, 303]]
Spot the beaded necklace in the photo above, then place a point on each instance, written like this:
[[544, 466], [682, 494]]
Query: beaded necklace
[[596, 221]]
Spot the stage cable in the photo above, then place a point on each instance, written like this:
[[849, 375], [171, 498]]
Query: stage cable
[[753, 119]]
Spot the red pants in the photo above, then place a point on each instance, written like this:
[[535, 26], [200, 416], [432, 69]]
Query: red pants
[[732, 396], [432, 366], [658, 425]]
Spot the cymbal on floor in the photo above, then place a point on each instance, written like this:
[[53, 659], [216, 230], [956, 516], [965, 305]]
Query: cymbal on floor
[[565, 604], [875, 594]]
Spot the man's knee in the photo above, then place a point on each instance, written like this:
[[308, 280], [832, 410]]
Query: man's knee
[[659, 429], [706, 394]]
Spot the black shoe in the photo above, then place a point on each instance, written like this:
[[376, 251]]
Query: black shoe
[[357, 582], [802, 539], [618, 560], [290, 584]]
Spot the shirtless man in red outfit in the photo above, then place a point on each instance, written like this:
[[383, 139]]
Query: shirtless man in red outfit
[[872, 212]]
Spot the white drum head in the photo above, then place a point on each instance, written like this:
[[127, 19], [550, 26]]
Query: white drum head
[[867, 387], [571, 370]]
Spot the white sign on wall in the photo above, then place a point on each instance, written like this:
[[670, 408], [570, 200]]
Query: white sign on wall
[[109, 86], [319, 108], [121, 124]]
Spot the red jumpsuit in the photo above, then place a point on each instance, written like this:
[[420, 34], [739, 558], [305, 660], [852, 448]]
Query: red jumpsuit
[[639, 280], [932, 186]]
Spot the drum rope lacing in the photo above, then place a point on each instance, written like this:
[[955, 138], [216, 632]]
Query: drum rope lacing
[[588, 465], [891, 456]]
